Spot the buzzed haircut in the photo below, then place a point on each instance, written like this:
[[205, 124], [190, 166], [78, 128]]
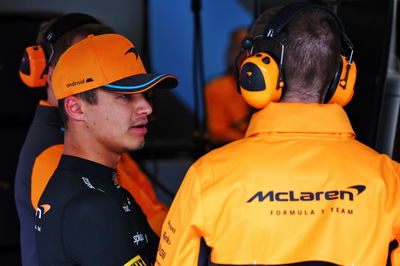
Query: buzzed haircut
[[312, 50]]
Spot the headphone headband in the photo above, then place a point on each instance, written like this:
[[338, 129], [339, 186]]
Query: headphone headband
[[36, 60], [67, 22], [283, 16]]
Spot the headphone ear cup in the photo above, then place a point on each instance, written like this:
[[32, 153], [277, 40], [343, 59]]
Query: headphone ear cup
[[33, 64], [341, 89], [259, 80]]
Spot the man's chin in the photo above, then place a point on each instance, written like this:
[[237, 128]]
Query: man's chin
[[136, 147]]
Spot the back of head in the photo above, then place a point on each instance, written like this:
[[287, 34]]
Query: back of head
[[311, 55], [54, 49]]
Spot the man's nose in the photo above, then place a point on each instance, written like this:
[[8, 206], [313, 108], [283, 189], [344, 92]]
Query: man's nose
[[143, 106]]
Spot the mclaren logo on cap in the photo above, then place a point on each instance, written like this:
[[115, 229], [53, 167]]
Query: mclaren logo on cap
[[132, 50]]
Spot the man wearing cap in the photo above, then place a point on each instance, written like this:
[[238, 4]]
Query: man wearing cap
[[83, 216], [43, 146]]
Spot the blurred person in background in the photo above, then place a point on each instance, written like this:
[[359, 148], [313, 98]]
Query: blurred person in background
[[227, 113]]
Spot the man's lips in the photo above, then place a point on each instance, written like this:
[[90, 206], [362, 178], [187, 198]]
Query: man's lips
[[140, 127]]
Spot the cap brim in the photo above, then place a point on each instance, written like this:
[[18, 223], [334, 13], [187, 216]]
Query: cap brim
[[142, 82]]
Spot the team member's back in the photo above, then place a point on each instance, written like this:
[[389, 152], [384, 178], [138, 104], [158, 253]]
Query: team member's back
[[298, 189]]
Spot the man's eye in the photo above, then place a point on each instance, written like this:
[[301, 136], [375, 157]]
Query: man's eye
[[125, 96]]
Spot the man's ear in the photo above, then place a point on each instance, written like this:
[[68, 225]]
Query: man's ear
[[73, 108], [49, 74]]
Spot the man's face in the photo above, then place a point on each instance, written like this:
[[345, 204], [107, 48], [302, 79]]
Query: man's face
[[118, 121]]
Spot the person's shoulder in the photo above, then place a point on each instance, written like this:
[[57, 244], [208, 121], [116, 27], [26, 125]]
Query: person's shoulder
[[63, 185], [93, 203], [369, 157], [89, 198], [359, 147], [231, 153], [43, 168]]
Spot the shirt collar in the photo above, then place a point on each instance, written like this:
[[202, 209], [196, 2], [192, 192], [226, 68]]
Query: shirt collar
[[300, 118], [86, 167], [46, 103]]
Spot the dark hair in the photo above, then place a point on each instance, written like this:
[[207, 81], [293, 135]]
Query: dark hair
[[65, 41], [89, 96], [312, 52]]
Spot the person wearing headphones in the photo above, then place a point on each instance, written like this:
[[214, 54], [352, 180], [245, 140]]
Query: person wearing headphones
[[227, 114], [298, 189], [43, 145], [84, 217]]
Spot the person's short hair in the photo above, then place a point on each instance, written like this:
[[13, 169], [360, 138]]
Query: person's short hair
[[65, 41], [89, 96], [312, 50]]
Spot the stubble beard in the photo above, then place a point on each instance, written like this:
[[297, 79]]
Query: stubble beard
[[137, 147]]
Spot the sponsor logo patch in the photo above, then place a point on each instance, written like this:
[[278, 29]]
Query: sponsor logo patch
[[40, 211], [78, 82], [87, 182], [138, 238], [136, 261]]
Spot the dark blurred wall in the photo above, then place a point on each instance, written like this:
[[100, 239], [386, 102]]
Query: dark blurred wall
[[126, 17], [368, 25], [16, 112]]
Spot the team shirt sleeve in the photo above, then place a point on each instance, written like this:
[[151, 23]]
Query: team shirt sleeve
[[184, 226], [43, 168], [395, 255]]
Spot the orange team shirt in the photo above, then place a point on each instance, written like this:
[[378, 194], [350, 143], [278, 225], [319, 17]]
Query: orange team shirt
[[297, 188], [129, 176], [227, 112]]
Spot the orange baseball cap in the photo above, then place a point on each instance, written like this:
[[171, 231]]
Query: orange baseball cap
[[109, 61]]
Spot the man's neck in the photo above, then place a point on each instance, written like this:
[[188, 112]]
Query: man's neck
[[79, 147]]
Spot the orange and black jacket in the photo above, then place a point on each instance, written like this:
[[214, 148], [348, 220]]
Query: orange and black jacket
[[297, 189], [129, 176], [85, 218], [39, 158], [45, 131]]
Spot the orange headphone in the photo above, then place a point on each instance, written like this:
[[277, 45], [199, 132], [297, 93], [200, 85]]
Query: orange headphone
[[35, 62], [260, 77]]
